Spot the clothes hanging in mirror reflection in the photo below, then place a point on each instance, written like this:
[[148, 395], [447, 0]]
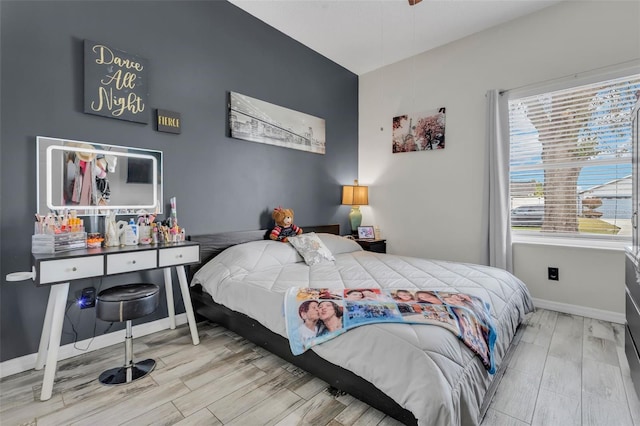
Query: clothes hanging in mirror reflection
[[103, 192], [86, 180]]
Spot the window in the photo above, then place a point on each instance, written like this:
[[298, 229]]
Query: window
[[570, 162]]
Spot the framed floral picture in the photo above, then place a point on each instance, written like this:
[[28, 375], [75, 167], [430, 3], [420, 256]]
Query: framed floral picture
[[418, 132]]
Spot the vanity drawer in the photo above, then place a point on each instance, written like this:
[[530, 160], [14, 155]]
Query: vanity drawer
[[179, 256], [63, 270], [132, 261]]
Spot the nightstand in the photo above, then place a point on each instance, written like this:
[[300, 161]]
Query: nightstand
[[378, 246]]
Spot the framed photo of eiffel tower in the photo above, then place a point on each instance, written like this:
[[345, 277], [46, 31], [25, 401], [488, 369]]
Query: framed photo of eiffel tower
[[419, 131]]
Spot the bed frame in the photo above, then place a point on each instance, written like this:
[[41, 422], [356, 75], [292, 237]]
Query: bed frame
[[344, 380]]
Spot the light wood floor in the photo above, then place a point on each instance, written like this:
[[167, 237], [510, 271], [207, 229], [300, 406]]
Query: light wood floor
[[566, 370]]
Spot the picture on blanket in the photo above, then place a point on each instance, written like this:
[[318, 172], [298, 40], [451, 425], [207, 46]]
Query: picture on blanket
[[318, 293], [318, 321], [315, 315]]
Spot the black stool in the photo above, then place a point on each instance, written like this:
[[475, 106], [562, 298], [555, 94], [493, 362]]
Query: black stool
[[125, 303]]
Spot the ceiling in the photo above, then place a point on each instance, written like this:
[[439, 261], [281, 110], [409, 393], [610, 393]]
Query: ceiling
[[364, 35]]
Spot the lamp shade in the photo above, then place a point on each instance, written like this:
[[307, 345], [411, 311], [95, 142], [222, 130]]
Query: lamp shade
[[355, 195]]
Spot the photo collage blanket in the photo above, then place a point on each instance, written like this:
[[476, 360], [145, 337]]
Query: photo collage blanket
[[315, 315]]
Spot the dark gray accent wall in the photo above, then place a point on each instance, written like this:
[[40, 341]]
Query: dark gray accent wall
[[198, 51]]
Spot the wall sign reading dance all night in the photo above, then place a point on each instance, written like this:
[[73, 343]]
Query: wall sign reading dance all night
[[115, 83]]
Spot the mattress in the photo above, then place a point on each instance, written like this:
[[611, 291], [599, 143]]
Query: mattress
[[425, 369]]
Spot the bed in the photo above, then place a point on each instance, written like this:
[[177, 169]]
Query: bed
[[416, 374]]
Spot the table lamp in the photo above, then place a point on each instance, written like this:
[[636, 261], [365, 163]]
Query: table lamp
[[355, 196]]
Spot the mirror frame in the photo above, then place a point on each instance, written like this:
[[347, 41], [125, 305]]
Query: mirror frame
[[44, 190]]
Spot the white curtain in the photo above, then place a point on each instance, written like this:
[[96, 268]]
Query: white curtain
[[499, 226]]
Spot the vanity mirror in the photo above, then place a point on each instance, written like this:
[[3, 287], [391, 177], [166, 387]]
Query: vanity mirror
[[93, 178]]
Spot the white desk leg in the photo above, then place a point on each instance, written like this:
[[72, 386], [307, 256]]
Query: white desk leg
[[188, 307], [46, 331], [59, 294], [168, 287]]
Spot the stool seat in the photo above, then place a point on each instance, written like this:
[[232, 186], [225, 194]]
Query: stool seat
[[127, 302]]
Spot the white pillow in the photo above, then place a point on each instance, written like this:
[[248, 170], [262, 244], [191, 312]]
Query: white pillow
[[311, 248], [338, 245]]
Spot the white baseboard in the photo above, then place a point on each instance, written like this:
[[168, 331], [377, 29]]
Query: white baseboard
[[583, 311], [28, 362]]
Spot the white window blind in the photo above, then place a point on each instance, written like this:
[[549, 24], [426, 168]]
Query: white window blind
[[570, 160]]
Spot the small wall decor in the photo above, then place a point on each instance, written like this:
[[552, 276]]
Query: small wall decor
[[115, 83], [419, 132], [258, 121], [168, 121]]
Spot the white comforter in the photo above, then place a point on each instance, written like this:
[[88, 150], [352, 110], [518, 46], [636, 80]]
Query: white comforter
[[425, 369]]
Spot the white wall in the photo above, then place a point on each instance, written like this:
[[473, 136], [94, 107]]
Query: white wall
[[593, 279], [431, 204]]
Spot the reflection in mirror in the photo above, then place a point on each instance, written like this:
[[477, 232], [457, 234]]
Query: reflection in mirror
[[93, 178]]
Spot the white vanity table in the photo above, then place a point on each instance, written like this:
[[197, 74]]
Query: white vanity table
[[57, 270], [135, 183]]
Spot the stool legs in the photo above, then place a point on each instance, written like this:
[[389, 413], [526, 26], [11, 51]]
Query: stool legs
[[128, 352], [130, 371]]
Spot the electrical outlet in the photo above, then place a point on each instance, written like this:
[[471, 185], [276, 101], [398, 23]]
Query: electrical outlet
[[87, 298], [554, 274]]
